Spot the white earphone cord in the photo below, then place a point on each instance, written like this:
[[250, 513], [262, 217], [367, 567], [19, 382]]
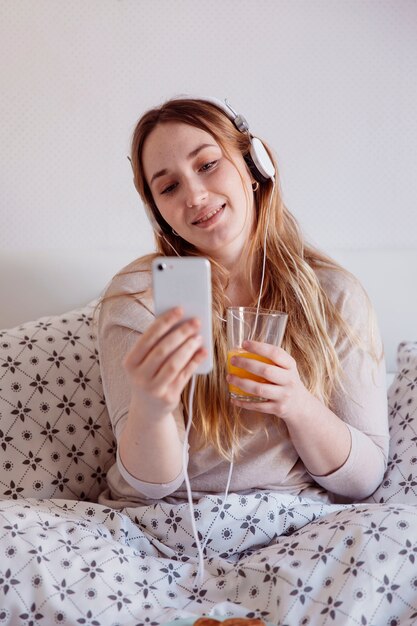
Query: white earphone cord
[[200, 547], [264, 253]]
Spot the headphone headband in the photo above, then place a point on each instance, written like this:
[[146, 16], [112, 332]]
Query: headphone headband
[[238, 120]]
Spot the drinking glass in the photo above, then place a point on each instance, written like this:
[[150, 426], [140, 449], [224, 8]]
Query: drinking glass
[[257, 325]]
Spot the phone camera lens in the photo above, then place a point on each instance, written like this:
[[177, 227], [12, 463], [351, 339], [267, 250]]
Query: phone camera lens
[[161, 266]]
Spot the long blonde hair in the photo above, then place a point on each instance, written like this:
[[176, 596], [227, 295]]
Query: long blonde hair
[[291, 283]]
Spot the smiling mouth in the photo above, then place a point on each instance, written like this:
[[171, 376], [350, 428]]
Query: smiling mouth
[[209, 215]]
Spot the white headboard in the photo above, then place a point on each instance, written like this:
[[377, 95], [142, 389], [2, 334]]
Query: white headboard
[[35, 283]]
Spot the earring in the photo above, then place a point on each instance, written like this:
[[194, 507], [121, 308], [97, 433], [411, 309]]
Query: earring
[[174, 232], [255, 186]]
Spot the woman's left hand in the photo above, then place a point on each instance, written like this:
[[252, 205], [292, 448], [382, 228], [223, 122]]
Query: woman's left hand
[[287, 396]]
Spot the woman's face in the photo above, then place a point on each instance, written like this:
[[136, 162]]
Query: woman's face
[[198, 191]]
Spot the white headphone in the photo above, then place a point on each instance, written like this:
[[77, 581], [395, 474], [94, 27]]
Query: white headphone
[[258, 160]]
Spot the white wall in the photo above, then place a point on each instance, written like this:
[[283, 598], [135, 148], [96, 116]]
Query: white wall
[[330, 84]]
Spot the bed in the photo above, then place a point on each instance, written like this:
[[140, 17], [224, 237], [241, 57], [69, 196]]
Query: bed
[[65, 559]]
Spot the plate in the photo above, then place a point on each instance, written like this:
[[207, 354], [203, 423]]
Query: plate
[[189, 621]]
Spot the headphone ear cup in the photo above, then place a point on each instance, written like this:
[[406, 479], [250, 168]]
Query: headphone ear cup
[[261, 159], [253, 169], [258, 161]]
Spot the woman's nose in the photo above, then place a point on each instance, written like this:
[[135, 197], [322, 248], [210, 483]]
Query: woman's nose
[[195, 193]]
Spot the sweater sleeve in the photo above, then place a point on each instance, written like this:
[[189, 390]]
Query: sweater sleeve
[[153, 491], [125, 313], [362, 403]]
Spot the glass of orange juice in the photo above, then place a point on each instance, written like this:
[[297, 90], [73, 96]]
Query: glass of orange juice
[[258, 325]]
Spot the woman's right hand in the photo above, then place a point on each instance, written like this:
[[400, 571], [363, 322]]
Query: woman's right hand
[[162, 362]]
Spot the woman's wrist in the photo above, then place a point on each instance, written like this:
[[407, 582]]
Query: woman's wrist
[[304, 410], [142, 413]]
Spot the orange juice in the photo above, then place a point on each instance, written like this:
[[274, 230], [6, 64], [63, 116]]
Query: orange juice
[[238, 371]]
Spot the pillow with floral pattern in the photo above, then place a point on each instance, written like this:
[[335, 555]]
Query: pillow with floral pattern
[[400, 480], [55, 435]]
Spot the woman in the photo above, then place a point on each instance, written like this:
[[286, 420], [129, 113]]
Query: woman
[[323, 433]]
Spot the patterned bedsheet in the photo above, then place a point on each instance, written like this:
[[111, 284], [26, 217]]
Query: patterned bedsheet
[[290, 561], [285, 559]]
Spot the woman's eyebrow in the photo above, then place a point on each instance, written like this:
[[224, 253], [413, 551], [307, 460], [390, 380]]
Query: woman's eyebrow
[[197, 150], [192, 154]]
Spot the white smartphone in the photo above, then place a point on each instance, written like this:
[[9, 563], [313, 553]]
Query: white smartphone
[[186, 282]]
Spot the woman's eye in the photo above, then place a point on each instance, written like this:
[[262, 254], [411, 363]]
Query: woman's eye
[[208, 166], [169, 189]]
